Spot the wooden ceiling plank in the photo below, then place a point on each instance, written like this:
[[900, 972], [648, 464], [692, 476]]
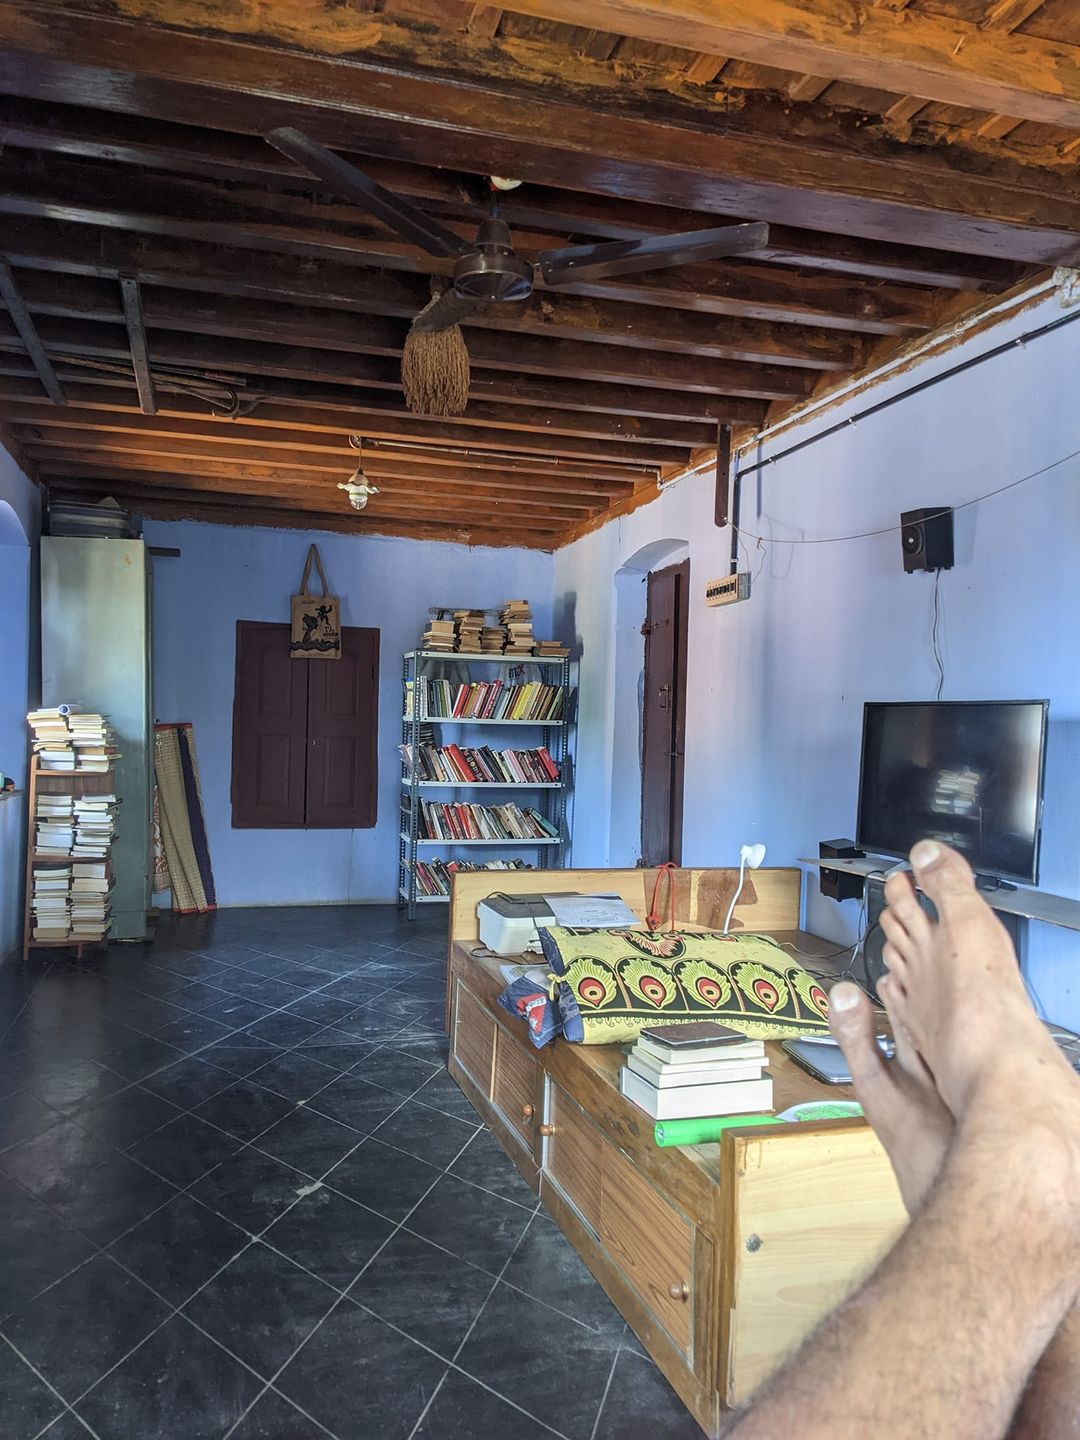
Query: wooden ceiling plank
[[763, 163], [926, 54], [905, 109], [704, 69], [528, 355], [1009, 15], [28, 335], [194, 151], [997, 127], [362, 523], [484, 20], [136, 329], [565, 317], [808, 87], [746, 291]]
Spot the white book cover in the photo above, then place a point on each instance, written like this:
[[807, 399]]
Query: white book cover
[[672, 1077], [743, 1097]]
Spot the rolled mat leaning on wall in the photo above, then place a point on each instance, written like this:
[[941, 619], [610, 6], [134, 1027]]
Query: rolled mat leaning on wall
[[182, 853]]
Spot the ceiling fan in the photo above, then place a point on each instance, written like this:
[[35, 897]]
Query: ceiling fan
[[487, 270]]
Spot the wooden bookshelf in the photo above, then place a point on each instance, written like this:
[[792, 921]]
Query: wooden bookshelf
[[57, 782]]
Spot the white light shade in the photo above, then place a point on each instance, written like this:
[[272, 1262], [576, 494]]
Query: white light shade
[[752, 855]]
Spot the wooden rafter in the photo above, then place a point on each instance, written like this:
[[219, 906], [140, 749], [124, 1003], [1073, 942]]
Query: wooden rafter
[[925, 54], [28, 336], [136, 331]]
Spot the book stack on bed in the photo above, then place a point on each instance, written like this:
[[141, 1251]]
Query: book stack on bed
[[702, 1068]]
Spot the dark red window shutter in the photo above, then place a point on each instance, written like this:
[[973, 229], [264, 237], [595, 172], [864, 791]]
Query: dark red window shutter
[[269, 729], [343, 732]]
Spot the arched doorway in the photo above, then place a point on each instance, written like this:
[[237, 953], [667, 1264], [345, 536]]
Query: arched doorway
[[646, 816]]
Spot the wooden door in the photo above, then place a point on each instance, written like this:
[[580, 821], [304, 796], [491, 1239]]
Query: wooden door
[[342, 734], [269, 729], [664, 719]]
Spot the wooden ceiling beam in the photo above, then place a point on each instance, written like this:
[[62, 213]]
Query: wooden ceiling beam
[[400, 504], [741, 291], [297, 353], [333, 451], [529, 405], [27, 333], [354, 523], [196, 151], [384, 319], [149, 453], [765, 162], [947, 60]]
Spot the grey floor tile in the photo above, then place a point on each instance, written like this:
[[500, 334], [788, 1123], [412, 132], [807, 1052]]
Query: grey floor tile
[[641, 1405], [427, 1292]]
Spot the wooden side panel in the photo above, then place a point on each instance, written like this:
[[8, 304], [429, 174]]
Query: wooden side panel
[[823, 1212], [574, 1157], [652, 1244], [473, 1039], [514, 1087], [769, 902]]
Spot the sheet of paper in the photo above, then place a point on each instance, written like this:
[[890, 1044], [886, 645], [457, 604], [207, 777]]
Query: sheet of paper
[[592, 912]]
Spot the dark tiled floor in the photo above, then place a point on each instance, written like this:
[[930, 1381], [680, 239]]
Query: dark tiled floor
[[240, 1196]]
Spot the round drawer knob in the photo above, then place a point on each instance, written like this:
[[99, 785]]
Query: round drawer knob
[[679, 1291], [526, 1112], [547, 1129]]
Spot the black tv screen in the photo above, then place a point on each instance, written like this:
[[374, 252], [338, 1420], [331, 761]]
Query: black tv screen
[[966, 772]]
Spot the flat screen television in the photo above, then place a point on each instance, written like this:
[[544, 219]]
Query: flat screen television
[[966, 772]]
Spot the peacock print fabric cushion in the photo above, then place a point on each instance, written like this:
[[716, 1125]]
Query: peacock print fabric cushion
[[612, 983]]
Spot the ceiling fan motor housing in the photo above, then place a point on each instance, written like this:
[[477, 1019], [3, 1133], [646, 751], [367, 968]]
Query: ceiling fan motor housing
[[492, 271]]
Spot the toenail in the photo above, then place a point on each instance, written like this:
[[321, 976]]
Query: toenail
[[843, 997], [925, 853]]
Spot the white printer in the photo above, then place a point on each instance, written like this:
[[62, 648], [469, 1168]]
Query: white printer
[[509, 923]]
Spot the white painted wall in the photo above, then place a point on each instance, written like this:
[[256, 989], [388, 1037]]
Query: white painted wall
[[228, 573], [776, 686]]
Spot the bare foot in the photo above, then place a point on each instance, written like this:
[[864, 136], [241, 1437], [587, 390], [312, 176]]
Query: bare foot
[[899, 1097], [955, 988]]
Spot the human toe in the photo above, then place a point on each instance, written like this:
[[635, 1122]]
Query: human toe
[[851, 1020], [942, 873]]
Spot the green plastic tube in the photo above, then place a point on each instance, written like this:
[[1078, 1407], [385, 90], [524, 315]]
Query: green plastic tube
[[701, 1131]]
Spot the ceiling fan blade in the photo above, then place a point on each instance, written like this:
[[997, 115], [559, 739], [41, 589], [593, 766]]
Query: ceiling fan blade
[[345, 179], [655, 252], [448, 310]]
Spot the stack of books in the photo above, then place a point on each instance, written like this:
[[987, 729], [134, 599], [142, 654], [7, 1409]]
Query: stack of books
[[54, 825], [439, 635], [91, 900], [95, 824], [50, 902], [469, 628], [67, 739], [486, 700], [701, 1068], [492, 639], [517, 622], [551, 650], [433, 877]]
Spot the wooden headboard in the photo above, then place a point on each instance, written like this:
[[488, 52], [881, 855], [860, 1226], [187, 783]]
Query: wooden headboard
[[769, 900]]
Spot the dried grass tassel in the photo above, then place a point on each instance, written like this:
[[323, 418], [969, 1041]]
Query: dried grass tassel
[[435, 369]]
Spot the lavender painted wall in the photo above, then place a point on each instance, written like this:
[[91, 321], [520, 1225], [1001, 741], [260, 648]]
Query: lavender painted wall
[[777, 685], [19, 524], [227, 573]]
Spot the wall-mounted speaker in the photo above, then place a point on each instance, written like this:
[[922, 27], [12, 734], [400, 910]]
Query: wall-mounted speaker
[[926, 538], [836, 884]]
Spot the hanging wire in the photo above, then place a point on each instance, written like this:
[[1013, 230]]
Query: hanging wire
[[935, 638], [895, 529]]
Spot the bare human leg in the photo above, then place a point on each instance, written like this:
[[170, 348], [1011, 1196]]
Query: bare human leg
[[1050, 1407], [941, 1340]]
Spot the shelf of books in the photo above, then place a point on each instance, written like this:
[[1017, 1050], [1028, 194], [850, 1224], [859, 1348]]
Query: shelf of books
[[71, 822], [470, 673]]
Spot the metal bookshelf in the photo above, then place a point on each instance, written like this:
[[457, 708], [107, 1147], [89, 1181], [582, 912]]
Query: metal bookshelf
[[419, 666]]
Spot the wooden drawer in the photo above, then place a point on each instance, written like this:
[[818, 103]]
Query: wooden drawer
[[473, 1037], [574, 1156], [514, 1088], [652, 1244]]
